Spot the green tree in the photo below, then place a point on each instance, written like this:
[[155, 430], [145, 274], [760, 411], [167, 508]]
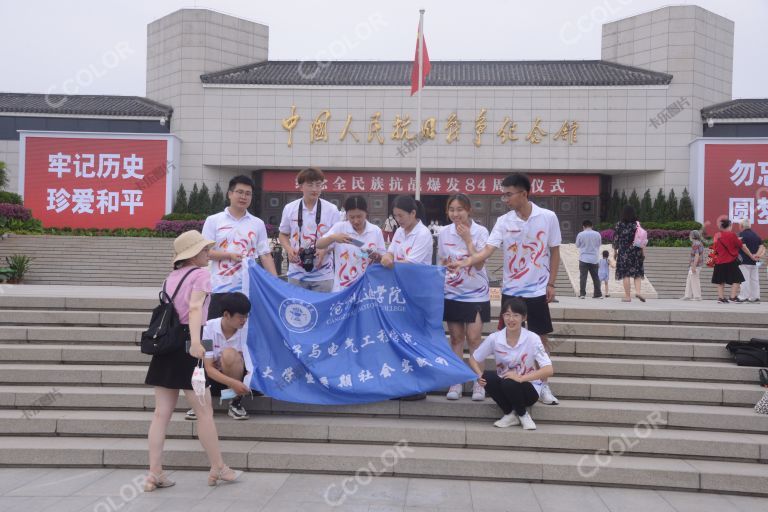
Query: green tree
[[180, 205], [660, 207], [622, 203], [634, 201], [685, 211], [204, 200], [612, 215], [3, 175], [672, 208], [217, 200], [193, 206], [646, 206]]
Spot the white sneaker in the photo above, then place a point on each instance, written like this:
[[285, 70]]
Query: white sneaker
[[527, 422], [546, 396], [190, 415], [508, 420], [454, 392], [478, 392]]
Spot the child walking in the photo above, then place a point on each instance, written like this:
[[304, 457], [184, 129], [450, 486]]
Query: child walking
[[603, 271]]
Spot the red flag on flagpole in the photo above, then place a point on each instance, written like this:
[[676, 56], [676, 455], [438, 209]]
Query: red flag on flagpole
[[425, 67]]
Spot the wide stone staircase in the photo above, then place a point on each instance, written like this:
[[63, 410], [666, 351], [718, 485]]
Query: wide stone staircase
[[667, 269], [649, 398]]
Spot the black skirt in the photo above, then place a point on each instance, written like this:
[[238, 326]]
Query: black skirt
[[466, 312], [727, 273], [172, 370]]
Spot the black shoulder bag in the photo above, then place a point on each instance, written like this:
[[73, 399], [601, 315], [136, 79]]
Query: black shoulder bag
[[165, 333]]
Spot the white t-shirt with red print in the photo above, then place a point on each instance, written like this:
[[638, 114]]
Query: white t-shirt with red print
[[350, 261], [415, 247], [246, 236], [310, 232], [467, 284], [526, 245], [521, 359]]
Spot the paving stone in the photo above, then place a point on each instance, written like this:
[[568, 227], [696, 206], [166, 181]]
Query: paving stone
[[273, 427], [177, 453], [633, 500], [50, 451], [562, 498], [547, 436], [686, 443], [481, 464], [280, 456], [594, 469], [731, 476], [385, 430]]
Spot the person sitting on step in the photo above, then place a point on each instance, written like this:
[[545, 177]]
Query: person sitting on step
[[224, 340], [517, 382]]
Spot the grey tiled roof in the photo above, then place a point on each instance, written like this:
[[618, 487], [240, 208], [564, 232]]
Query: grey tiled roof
[[737, 109], [443, 73], [96, 105]]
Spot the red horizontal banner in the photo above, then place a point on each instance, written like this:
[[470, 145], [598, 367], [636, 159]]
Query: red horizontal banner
[[95, 182], [435, 183]]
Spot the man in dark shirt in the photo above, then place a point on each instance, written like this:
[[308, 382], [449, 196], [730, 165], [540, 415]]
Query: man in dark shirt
[[750, 288]]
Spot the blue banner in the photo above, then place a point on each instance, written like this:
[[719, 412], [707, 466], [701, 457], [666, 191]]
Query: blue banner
[[380, 338]]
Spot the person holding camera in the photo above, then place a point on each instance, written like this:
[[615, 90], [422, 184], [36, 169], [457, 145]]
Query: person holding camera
[[304, 221], [355, 242]]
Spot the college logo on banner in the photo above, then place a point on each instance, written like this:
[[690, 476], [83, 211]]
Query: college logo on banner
[[380, 338]]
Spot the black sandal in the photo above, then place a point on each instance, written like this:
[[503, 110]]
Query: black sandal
[[763, 377]]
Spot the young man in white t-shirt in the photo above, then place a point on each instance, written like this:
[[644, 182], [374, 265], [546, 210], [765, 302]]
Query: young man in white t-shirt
[[224, 340], [530, 238], [304, 221], [521, 364], [238, 235]]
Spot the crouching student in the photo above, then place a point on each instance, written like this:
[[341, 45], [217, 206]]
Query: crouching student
[[224, 340], [516, 383]]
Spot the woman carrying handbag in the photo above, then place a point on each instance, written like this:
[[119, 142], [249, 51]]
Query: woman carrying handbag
[[172, 371]]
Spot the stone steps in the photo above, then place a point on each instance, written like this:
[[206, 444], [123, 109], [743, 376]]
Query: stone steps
[[425, 461], [128, 353], [599, 411], [643, 441], [71, 394]]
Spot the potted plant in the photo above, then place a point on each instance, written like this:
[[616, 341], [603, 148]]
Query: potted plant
[[18, 265]]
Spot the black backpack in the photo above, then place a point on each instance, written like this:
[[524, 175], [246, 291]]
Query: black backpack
[[165, 333], [751, 353]]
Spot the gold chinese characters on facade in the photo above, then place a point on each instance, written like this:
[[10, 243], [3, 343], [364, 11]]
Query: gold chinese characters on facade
[[404, 129]]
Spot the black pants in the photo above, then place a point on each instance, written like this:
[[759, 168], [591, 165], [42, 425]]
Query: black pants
[[592, 269], [508, 394]]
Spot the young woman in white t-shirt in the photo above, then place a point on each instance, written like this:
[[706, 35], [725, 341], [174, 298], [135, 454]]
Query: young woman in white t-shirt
[[521, 363], [467, 299], [355, 242], [412, 242]]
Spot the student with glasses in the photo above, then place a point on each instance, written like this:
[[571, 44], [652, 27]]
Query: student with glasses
[[530, 238]]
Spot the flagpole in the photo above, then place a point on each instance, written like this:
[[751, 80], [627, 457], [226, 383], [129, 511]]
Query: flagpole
[[418, 104]]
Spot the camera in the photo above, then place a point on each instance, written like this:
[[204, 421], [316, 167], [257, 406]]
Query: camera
[[307, 258]]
